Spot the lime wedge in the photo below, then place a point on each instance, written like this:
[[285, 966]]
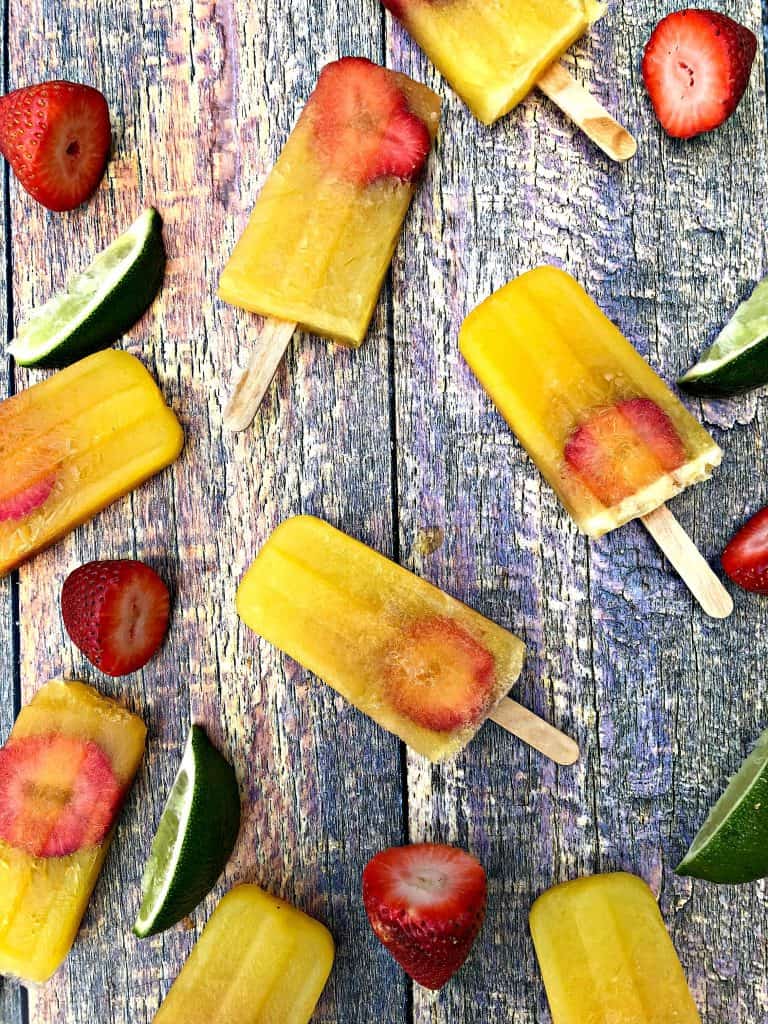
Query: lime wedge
[[101, 303], [732, 846], [194, 839], [738, 360]]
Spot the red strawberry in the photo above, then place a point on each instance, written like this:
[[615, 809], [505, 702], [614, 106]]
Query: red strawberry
[[116, 612], [363, 124], [397, 7], [56, 137], [745, 559], [696, 68], [15, 505], [426, 904], [439, 676], [624, 448], [58, 794]]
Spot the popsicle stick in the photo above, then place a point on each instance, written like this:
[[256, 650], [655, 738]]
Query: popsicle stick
[[578, 104], [689, 562], [536, 732], [255, 380]]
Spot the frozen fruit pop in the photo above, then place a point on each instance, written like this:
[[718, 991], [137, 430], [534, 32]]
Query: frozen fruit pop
[[258, 961], [420, 663], [64, 773], [321, 236], [603, 428], [494, 54], [605, 955], [75, 443]]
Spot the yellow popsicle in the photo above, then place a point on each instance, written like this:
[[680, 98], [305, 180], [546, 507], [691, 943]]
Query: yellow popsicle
[[606, 956], [73, 444], [603, 428], [494, 51], [420, 663], [72, 754], [321, 236], [258, 961]]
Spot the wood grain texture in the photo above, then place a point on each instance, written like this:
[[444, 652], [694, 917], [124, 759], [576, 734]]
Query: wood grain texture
[[397, 444]]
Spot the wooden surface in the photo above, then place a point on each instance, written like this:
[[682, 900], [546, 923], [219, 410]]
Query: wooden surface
[[398, 445]]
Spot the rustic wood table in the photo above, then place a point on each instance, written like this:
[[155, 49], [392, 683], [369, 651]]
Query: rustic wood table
[[398, 445]]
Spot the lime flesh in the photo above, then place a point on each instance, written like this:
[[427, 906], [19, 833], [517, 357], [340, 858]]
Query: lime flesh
[[100, 304], [194, 839]]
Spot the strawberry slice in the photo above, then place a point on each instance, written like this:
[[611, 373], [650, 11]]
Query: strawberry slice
[[18, 504], [426, 904], [745, 559], [117, 613], [439, 676], [624, 448], [364, 126], [56, 137], [58, 794], [696, 68]]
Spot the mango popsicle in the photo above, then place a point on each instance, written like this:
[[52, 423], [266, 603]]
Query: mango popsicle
[[605, 955], [73, 444], [258, 961], [420, 663], [322, 233], [64, 773]]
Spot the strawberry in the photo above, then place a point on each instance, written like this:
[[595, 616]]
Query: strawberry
[[426, 904], [745, 559], [624, 448], [397, 7], [58, 794], [56, 137], [696, 68], [439, 676], [364, 126], [17, 504], [117, 613]]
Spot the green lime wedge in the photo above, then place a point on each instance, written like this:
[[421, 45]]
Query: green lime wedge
[[738, 360], [194, 839], [101, 303], [732, 846]]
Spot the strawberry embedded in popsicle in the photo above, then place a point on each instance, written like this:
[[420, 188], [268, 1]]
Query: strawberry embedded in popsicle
[[16, 504], [625, 448], [363, 125], [58, 794], [439, 676]]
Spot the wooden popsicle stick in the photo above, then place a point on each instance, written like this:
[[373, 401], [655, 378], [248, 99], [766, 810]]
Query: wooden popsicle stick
[[689, 562], [581, 107], [536, 732], [255, 380]]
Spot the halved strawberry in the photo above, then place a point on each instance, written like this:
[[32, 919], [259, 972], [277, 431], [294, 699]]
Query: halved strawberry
[[624, 448], [426, 904], [696, 68], [58, 794], [439, 676], [117, 613], [363, 124], [56, 137], [745, 559]]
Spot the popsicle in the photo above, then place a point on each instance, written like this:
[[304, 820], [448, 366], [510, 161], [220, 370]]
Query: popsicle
[[321, 236], [64, 773], [605, 955], [73, 444], [603, 428], [258, 961], [420, 663], [494, 54]]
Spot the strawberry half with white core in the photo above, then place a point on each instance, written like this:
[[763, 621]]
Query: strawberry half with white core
[[426, 904], [58, 794], [364, 126], [117, 613], [440, 676], [56, 136], [696, 68], [620, 450], [745, 559]]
